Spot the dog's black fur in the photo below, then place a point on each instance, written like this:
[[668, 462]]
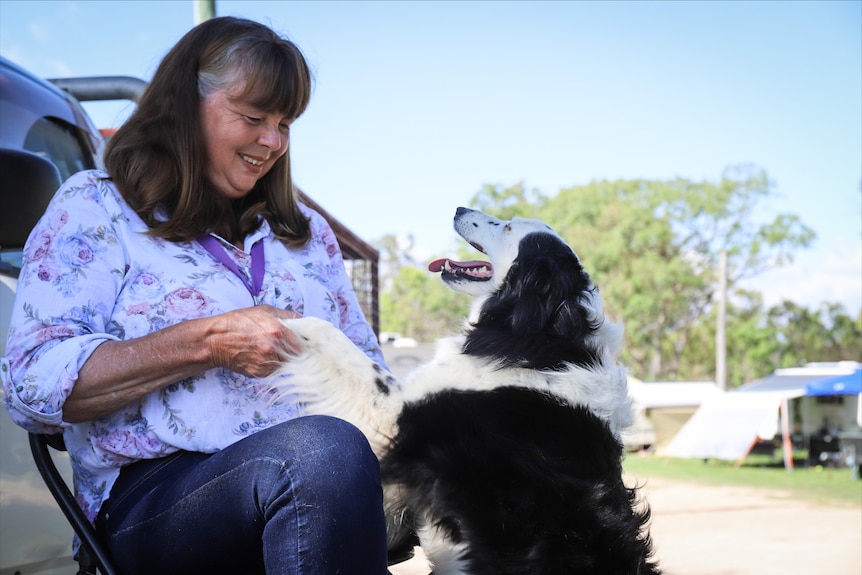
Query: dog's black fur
[[502, 453], [537, 319], [533, 484]]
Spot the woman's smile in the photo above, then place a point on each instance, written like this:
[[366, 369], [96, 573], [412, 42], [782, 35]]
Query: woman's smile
[[242, 143]]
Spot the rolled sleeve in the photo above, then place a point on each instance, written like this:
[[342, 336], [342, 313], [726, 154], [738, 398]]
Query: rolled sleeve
[[34, 397], [66, 291]]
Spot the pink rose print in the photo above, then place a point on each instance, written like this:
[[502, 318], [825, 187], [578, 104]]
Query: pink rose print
[[186, 303], [47, 272], [331, 244], [343, 308], [126, 443], [39, 246], [59, 219], [53, 332], [139, 309], [85, 505]]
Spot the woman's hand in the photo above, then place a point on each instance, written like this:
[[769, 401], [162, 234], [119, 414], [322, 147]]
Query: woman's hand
[[251, 341]]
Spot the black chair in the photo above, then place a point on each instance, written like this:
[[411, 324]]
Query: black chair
[[92, 553]]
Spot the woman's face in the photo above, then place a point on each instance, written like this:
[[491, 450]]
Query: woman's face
[[242, 142]]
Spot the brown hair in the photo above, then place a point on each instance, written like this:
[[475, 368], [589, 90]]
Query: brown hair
[[157, 158]]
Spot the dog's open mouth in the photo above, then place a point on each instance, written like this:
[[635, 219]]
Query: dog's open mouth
[[474, 270]]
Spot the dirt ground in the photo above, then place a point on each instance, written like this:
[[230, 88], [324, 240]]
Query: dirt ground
[[699, 530]]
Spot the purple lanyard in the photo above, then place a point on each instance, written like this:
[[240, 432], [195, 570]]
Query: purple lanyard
[[215, 248]]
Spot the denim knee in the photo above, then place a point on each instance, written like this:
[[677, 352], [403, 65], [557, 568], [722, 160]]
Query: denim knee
[[303, 496], [332, 499], [332, 453]]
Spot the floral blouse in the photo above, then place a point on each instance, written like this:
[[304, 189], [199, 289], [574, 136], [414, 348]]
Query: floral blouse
[[91, 274]]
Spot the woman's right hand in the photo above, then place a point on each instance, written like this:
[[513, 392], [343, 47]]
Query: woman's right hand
[[251, 341]]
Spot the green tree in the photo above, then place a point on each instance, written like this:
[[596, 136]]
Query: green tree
[[418, 305], [653, 246], [395, 252], [507, 203], [787, 335], [844, 341], [804, 335], [752, 344]]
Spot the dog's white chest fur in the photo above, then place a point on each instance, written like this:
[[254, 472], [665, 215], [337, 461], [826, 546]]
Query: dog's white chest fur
[[603, 391]]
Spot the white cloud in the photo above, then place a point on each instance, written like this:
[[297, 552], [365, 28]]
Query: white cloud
[[57, 69], [826, 276], [41, 31]]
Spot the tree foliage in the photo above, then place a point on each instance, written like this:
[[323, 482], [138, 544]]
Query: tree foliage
[[652, 247], [419, 306]]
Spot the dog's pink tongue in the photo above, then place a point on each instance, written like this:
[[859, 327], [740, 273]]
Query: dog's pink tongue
[[437, 265]]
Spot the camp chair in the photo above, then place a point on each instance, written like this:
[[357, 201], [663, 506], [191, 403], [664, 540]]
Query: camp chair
[[92, 553]]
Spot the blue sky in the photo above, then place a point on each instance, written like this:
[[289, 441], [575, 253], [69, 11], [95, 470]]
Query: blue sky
[[418, 105]]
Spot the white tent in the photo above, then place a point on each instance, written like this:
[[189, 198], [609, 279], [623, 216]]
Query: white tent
[[662, 408], [728, 425], [671, 394]]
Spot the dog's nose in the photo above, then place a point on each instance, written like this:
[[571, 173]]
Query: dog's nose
[[461, 211]]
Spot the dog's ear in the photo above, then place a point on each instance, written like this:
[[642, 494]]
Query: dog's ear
[[545, 291], [537, 317]]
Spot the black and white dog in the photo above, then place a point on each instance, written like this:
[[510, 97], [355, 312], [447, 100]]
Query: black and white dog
[[503, 453]]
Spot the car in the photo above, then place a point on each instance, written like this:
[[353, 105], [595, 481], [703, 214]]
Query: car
[[39, 121]]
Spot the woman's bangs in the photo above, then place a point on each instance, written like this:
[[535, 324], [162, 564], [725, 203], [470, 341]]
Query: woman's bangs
[[279, 83]]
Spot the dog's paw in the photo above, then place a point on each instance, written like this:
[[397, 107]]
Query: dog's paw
[[313, 333]]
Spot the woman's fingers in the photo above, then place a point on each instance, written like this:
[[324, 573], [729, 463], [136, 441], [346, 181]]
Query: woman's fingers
[[254, 341]]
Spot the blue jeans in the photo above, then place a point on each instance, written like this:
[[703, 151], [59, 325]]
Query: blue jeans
[[302, 497]]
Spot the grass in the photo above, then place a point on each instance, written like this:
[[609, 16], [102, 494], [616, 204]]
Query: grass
[[816, 484]]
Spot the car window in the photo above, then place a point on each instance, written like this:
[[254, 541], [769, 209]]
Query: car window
[[59, 143], [10, 263]]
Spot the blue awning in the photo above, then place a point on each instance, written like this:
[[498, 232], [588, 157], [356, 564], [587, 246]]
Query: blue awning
[[848, 384]]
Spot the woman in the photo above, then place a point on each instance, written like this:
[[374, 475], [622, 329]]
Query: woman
[[148, 306]]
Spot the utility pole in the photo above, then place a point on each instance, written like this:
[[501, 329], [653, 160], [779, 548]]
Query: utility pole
[[204, 10], [721, 321]]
